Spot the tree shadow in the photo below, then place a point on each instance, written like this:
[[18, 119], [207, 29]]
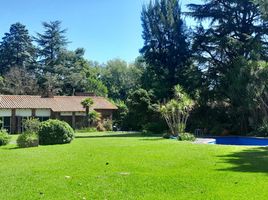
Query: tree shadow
[[253, 160]]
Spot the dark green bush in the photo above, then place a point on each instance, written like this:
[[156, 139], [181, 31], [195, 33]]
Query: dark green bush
[[4, 138], [28, 139], [55, 132], [187, 137], [262, 130], [155, 127]]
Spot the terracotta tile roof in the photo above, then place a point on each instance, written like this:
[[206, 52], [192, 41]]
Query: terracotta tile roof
[[56, 103]]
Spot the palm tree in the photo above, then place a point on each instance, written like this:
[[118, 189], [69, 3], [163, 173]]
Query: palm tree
[[87, 103]]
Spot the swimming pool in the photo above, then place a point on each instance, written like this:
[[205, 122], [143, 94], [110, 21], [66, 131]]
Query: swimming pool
[[247, 141]]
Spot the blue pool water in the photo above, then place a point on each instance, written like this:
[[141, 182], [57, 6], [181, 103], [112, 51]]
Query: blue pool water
[[247, 141]]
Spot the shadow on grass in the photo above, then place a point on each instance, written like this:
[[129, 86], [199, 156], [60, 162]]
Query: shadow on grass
[[249, 160]]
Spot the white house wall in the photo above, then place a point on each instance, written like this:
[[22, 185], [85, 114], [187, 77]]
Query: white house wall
[[66, 114], [42, 113], [80, 114], [5, 112], [23, 112]]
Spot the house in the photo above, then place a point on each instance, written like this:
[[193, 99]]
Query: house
[[15, 108]]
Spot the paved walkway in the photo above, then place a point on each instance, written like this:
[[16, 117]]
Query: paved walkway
[[205, 141]]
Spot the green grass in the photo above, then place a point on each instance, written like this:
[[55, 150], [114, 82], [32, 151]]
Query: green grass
[[96, 166]]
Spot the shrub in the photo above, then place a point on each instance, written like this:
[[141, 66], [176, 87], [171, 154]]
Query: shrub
[[100, 127], [187, 137], [31, 125], [55, 132], [155, 127], [4, 138], [28, 139], [108, 125], [262, 130]]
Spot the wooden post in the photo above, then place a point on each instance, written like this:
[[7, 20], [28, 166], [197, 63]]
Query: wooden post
[[33, 112], [13, 121], [73, 120]]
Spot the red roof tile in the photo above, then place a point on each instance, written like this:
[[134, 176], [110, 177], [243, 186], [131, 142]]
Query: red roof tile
[[56, 103]]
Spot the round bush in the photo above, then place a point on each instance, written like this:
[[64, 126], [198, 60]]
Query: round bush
[[4, 138], [187, 137], [55, 132], [28, 139]]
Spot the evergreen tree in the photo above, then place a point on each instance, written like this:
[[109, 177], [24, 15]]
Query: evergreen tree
[[166, 49], [236, 35], [16, 49], [263, 6], [51, 44]]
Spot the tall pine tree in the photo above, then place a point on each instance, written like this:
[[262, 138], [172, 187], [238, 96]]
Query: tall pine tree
[[51, 44], [16, 49], [166, 49]]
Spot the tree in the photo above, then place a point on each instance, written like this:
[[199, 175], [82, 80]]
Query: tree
[[16, 49], [263, 6], [176, 112], [166, 49], [258, 91], [87, 103], [51, 44], [236, 36], [94, 117], [120, 78], [140, 109], [96, 86], [18, 81]]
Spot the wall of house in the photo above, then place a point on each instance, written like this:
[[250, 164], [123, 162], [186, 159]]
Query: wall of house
[[75, 119]]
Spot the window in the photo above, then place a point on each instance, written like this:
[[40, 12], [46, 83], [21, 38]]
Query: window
[[42, 119], [5, 123]]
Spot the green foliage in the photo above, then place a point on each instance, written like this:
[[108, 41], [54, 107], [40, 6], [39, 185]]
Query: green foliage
[[86, 130], [176, 112], [186, 137], [51, 43], [158, 127], [94, 117], [28, 139], [166, 48], [140, 108], [16, 49], [55, 132], [263, 6], [87, 102], [120, 115], [96, 86], [31, 125], [120, 78], [4, 137]]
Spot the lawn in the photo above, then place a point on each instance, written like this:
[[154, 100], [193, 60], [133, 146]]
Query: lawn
[[107, 166]]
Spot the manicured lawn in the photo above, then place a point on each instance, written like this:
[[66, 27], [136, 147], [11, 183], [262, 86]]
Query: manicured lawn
[[98, 167]]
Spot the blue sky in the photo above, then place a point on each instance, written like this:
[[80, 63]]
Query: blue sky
[[107, 29]]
